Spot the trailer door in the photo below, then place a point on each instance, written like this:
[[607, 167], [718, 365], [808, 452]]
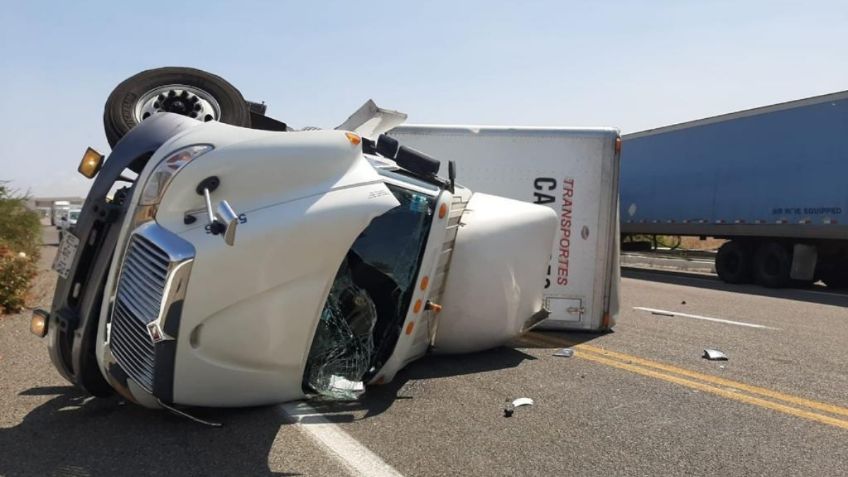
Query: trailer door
[[573, 171]]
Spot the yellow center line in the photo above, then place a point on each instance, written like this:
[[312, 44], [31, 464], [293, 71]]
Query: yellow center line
[[717, 391], [643, 367], [701, 376]]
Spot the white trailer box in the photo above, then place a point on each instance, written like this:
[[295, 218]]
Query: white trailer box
[[573, 171]]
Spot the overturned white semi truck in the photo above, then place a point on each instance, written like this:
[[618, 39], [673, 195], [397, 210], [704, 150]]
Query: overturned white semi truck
[[223, 258]]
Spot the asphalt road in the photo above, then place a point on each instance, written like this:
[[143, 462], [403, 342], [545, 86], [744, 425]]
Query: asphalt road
[[640, 400]]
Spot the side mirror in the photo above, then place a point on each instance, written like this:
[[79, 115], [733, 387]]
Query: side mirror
[[230, 220], [222, 221]]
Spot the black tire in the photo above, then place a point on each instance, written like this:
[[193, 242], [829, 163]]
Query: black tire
[[119, 112], [733, 262], [772, 265], [836, 275], [836, 281]]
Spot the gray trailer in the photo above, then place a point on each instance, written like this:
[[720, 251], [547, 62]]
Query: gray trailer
[[772, 180]]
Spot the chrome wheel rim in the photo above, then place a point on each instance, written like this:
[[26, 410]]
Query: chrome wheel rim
[[180, 99]]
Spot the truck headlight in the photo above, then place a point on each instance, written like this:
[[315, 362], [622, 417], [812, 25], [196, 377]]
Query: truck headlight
[[161, 176]]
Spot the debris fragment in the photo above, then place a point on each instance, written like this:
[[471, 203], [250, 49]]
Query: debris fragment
[[662, 313], [509, 407], [525, 401], [714, 355], [188, 416], [683, 302], [564, 352]]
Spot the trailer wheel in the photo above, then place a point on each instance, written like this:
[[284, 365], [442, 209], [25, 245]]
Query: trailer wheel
[[186, 91], [772, 265], [836, 276], [836, 281], [733, 262]]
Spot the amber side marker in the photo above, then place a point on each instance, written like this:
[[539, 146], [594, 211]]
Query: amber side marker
[[443, 210], [38, 322], [353, 138], [424, 282], [417, 306], [410, 327], [91, 163]]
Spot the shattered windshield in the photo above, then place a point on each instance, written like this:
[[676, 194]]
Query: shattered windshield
[[366, 307]]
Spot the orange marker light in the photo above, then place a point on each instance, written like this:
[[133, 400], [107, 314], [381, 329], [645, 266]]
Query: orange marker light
[[38, 323], [417, 307], [618, 145], [90, 164], [424, 282], [353, 138], [443, 210], [409, 327]]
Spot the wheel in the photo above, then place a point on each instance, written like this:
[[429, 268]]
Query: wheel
[[772, 265], [185, 91], [733, 262], [836, 275], [836, 281]]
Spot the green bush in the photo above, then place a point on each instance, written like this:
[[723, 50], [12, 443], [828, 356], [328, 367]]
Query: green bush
[[15, 276], [668, 241], [20, 239]]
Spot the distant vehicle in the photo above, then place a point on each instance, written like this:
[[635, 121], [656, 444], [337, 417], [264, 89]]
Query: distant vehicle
[[68, 221], [59, 209], [771, 180]]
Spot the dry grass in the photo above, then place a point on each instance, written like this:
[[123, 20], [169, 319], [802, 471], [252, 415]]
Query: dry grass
[[694, 243]]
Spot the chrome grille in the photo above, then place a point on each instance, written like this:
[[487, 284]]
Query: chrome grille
[[138, 302]]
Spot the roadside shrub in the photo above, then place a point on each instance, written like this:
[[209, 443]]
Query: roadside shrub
[[20, 239], [15, 276], [666, 241]]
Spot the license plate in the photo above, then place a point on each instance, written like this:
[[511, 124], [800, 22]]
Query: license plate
[[65, 255]]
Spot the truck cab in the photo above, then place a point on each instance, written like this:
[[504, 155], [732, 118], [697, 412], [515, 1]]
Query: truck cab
[[247, 267]]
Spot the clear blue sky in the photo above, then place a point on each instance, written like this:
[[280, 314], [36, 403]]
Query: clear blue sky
[[634, 65]]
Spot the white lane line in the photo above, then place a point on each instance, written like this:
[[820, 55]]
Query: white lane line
[[355, 457], [705, 318]]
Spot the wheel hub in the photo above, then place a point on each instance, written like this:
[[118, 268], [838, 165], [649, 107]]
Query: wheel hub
[[179, 99]]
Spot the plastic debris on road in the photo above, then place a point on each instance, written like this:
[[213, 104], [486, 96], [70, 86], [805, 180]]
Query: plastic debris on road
[[564, 352], [714, 355], [509, 407], [343, 344]]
